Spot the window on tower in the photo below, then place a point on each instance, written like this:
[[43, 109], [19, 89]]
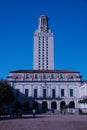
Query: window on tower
[[39, 66], [47, 48], [47, 38], [39, 41], [46, 41], [39, 51]]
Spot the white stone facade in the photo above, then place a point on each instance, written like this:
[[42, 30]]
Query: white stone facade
[[83, 95], [57, 86], [83, 90]]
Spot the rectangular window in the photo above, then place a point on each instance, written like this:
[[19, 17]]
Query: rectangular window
[[52, 76], [62, 92], [53, 93], [39, 41], [35, 93], [26, 92], [47, 63], [46, 40], [71, 92], [44, 93], [35, 76], [44, 76], [47, 48]]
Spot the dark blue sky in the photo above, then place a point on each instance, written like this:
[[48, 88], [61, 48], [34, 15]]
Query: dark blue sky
[[18, 21]]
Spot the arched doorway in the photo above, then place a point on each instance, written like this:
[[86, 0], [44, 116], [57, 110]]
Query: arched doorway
[[54, 105], [17, 105], [26, 106], [62, 104], [72, 104], [44, 105], [35, 105]]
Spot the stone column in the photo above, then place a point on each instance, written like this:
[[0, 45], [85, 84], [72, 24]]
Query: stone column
[[49, 104], [58, 105]]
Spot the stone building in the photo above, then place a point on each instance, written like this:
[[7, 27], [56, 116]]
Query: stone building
[[43, 87], [47, 88]]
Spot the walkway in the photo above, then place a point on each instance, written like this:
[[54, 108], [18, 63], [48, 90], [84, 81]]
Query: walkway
[[46, 122]]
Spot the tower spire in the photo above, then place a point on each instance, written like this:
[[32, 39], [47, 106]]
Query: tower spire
[[43, 23]]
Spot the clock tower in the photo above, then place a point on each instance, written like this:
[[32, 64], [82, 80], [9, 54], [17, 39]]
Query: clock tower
[[43, 46]]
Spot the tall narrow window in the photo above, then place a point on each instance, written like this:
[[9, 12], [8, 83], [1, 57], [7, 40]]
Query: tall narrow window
[[44, 76], [44, 93], [52, 76], [26, 92], [71, 92], [53, 93], [35, 93], [35, 76], [62, 92]]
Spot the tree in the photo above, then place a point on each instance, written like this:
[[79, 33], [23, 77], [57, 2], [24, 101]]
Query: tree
[[84, 101], [6, 93]]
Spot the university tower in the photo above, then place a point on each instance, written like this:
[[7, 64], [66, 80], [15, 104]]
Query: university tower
[[43, 46]]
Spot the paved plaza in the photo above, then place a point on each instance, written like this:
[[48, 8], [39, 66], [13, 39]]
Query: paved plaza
[[46, 122]]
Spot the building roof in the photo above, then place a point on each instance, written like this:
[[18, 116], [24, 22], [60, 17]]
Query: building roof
[[44, 71]]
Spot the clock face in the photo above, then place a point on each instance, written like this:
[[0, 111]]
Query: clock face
[[44, 28]]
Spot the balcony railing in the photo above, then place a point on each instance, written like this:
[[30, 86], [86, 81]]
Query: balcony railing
[[44, 80], [46, 98]]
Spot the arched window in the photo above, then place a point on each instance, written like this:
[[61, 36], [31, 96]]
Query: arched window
[[44, 105], [54, 105], [72, 104], [35, 105], [62, 104]]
